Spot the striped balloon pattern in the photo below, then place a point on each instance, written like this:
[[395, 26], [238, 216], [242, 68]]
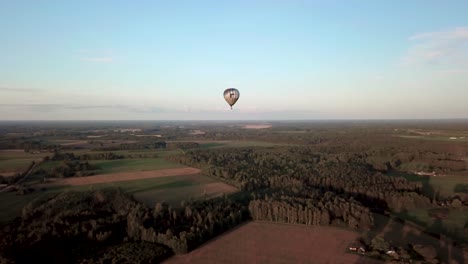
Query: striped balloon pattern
[[231, 95]]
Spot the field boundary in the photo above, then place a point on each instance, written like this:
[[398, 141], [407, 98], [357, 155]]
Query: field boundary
[[124, 176]]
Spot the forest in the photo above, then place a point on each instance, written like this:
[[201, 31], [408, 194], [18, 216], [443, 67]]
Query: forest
[[85, 227]]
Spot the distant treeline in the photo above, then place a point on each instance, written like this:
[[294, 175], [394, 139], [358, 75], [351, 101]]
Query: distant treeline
[[318, 209], [141, 145], [88, 156], [29, 145], [68, 168]]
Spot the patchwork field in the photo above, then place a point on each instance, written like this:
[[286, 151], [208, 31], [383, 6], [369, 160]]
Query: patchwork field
[[149, 187], [182, 188], [133, 153], [12, 161], [260, 242], [124, 176], [402, 234], [441, 220], [259, 126], [444, 185], [130, 165], [231, 143]]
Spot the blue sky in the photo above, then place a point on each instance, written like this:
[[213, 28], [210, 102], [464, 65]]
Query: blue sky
[[289, 59]]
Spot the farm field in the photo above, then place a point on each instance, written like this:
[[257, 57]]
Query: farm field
[[126, 153], [181, 188], [261, 242], [402, 234], [130, 165], [159, 186], [11, 204], [445, 185], [436, 138], [231, 143], [451, 220], [12, 161], [124, 176]]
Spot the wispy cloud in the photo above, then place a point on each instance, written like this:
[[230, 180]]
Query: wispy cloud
[[93, 55], [98, 59], [20, 90], [457, 33], [58, 107], [447, 49]]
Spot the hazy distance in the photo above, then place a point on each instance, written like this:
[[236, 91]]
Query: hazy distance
[[117, 60]]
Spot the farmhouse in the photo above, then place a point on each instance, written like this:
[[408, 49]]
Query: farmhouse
[[357, 247], [393, 254]]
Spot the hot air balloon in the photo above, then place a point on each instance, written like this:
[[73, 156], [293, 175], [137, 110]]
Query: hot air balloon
[[231, 95]]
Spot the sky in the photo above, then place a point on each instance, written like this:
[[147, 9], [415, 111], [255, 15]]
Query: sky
[[290, 59]]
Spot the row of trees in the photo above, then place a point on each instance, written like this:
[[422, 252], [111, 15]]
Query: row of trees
[[149, 144], [183, 229], [73, 227], [328, 209], [68, 168], [88, 156]]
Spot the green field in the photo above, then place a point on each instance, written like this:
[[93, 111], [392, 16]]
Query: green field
[[12, 204], [401, 234], [8, 155], [235, 143], [447, 184], [453, 225], [121, 165], [15, 164], [171, 189], [18, 160], [126, 153], [128, 165], [444, 185]]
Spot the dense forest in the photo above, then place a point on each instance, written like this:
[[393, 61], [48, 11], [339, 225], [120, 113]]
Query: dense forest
[[305, 173], [88, 226]]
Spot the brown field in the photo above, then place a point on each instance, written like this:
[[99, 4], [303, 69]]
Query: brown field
[[71, 142], [8, 173], [260, 242], [256, 126], [11, 150], [193, 187], [197, 132], [148, 135], [125, 176]]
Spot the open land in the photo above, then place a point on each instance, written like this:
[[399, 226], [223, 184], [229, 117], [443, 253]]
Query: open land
[[403, 233], [125, 176], [275, 165], [256, 126], [261, 242]]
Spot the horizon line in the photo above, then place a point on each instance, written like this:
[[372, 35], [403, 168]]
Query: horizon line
[[238, 120]]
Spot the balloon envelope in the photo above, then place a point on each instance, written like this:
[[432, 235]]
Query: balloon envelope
[[231, 95]]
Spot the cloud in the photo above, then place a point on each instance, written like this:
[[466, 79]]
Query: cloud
[[457, 33], [98, 59], [19, 90], [59, 107], [445, 49]]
